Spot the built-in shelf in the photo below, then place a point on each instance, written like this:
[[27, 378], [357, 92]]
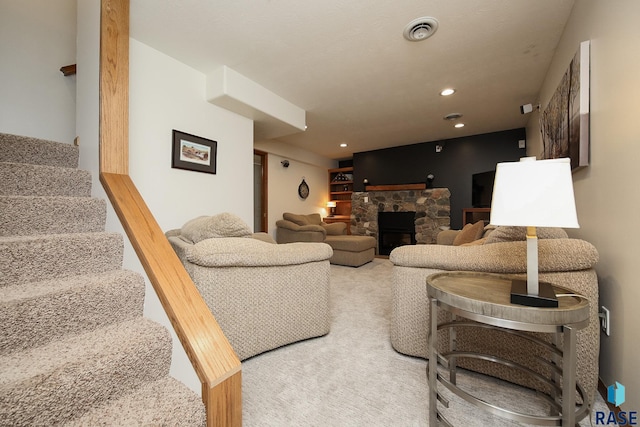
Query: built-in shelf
[[337, 218], [340, 190]]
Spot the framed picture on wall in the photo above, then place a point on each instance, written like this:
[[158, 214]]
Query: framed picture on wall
[[565, 121], [193, 153]]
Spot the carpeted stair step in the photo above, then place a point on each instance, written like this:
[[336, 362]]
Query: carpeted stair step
[[165, 402], [74, 347], [21, 179], [57, 382], [24, 149], [25, 215], [34, 314], [35, 258]]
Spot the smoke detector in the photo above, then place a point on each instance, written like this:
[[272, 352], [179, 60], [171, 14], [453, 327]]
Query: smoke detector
[[420, 29]]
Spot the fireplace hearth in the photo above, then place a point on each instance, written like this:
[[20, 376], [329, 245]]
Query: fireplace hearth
[[395, 229]]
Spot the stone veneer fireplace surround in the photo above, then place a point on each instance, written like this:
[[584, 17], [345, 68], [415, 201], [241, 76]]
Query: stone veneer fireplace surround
[[432, 208]]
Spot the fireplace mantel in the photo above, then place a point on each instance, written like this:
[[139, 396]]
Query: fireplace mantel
[[395, 187]]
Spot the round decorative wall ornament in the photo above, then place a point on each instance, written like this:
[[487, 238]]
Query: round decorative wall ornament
[[303, 189]]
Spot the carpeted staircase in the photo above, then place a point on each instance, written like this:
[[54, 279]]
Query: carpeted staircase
[[74, 347]]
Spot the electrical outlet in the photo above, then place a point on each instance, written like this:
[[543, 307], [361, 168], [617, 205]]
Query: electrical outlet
[[605, 321]]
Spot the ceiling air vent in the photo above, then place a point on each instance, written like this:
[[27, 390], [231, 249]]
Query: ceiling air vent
[[452, 116], [420, 29]]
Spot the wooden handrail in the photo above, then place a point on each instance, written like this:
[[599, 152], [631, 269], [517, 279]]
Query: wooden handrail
[[209, 351], [68, 70]]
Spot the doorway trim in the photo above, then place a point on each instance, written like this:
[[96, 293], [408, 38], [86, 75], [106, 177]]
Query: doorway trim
[[263, 190]]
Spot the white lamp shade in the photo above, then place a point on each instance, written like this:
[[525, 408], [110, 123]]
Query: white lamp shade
[[331, 204], [534, 193]]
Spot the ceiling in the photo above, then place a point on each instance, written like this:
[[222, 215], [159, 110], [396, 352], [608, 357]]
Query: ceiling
[[348, 66]]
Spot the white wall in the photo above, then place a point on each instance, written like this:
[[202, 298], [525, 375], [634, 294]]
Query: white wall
[[284, 182], [165, 95], [37, 37], [87, 91], [607, 195]]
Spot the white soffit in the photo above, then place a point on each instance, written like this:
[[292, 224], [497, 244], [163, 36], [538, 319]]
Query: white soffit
[[273, 116]]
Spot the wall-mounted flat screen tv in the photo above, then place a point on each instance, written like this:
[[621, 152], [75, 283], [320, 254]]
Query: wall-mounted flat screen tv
[[482, 189]]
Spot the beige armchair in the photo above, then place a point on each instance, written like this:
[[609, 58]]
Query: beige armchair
[[262, 294], [562, 261], [350, 250], [306, 228]]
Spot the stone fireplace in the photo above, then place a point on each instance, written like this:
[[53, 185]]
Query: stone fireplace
[[431, 206]]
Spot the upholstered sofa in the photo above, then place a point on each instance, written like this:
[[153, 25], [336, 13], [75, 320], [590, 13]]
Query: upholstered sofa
[[562, 261], [350, 250], [262, 294]]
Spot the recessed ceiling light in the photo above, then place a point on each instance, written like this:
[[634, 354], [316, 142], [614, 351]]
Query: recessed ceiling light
[[447, 92], [459, 125], [344, 144], [420, 29]]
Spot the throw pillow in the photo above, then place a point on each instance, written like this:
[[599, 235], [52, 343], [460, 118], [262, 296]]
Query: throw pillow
[[469, 233], [488, 229], [512, 234], [221, 225], [295, 218]]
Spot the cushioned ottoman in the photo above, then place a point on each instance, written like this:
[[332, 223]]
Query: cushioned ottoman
[[351, 250]]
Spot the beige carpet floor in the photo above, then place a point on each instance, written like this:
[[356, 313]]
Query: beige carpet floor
[[353, 377]]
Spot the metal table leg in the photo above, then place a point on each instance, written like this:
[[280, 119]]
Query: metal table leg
[[432, 339], [569, 377]]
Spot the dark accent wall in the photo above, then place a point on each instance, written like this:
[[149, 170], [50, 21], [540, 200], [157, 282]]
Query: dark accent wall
[[453, 166]]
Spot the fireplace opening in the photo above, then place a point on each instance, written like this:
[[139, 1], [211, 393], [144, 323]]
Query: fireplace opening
[[395, 229]]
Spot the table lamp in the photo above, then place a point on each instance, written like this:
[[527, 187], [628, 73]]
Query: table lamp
[[332, 208], [534, 193]]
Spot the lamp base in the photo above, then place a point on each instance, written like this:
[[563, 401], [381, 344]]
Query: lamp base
[[546, 296]]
